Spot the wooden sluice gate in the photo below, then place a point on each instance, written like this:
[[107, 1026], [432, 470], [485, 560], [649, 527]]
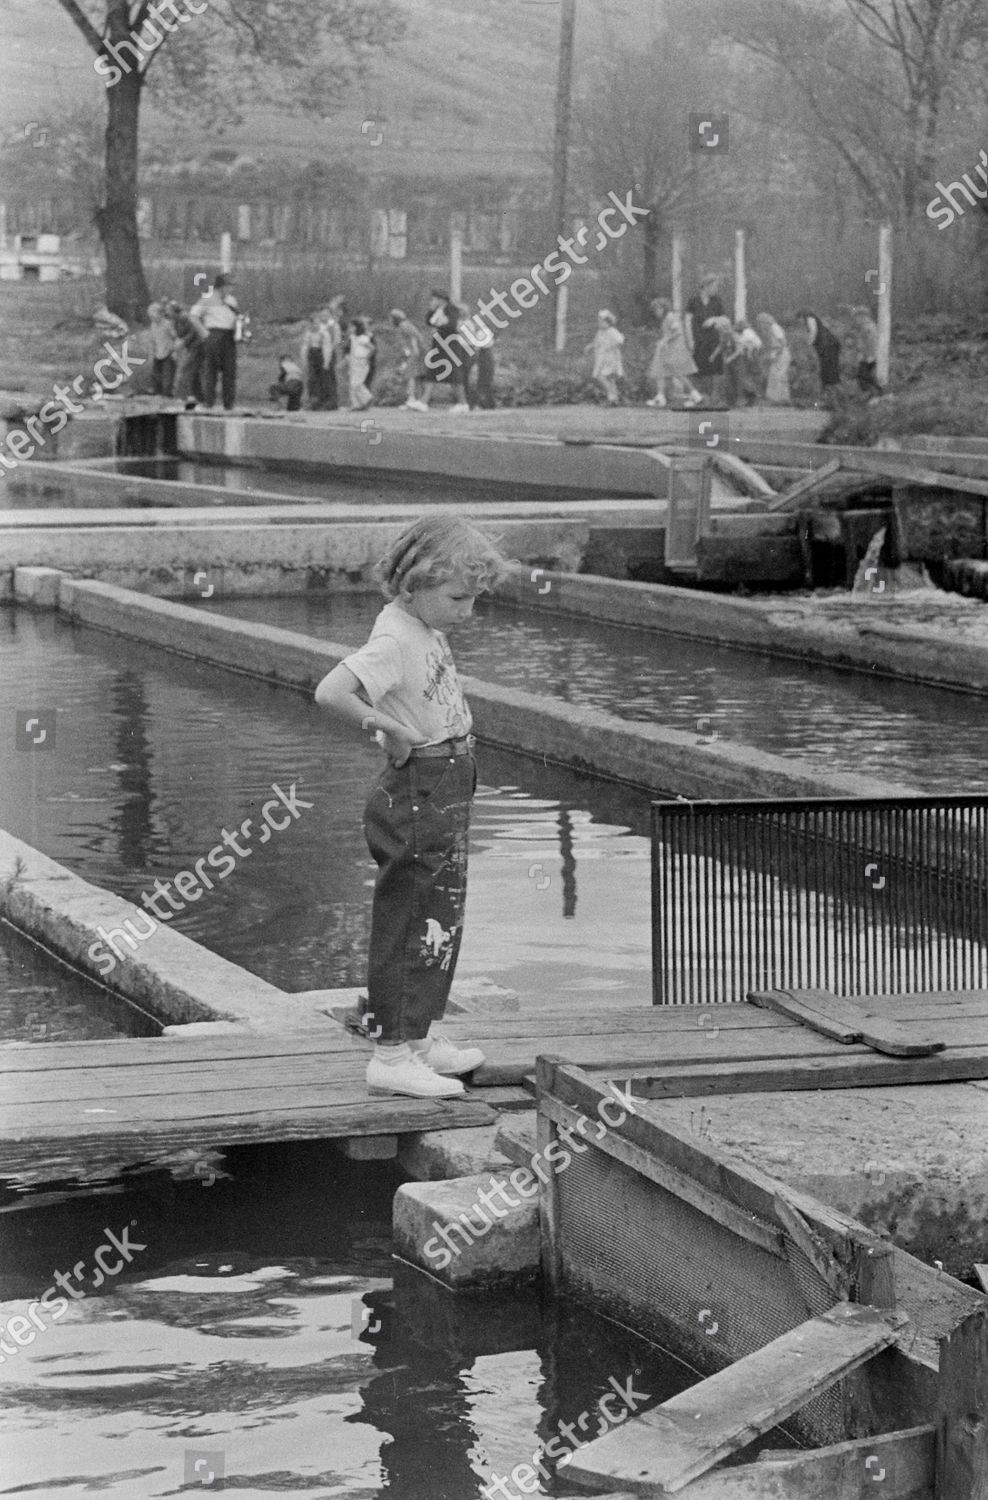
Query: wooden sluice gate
[[798, 1317]]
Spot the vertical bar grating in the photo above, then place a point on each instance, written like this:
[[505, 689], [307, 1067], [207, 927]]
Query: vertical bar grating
[[862, 896]]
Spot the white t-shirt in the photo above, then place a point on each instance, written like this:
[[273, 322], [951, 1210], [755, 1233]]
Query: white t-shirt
[[218, 309], [407, 671]]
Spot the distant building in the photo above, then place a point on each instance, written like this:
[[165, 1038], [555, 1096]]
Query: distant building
[[320, 207], [31, 257]]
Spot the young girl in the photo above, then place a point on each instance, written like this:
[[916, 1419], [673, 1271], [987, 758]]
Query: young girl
[[672, 363], [777, 359], [608, 365], [402, 688], [747, 376], [361, 349]]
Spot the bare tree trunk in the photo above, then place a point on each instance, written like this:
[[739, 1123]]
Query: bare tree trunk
[[116, 219], [651, 229]]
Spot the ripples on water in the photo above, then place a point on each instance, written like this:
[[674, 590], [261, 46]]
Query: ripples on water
[[274, 1350], [928, 738], [154, 756]]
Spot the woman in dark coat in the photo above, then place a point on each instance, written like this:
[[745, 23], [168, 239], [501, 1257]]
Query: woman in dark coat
[[702, 335], [826, 346]]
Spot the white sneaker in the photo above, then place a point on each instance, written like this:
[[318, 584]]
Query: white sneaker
[[459, 409], [442, 1057], [408, 1074], [656, 401], [416, 406]]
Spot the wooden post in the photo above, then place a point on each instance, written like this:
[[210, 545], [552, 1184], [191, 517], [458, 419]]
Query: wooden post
[[562, 310], [456, 264], [740, 277], [962, 1411], [884, 319], [549, 1226], [677, 270], [564, 107], [226, 251]]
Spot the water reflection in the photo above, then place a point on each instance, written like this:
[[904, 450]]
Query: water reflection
[[286, 1351], [157, 757]]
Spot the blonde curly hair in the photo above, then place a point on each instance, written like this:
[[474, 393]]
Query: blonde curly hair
[[435, 549]]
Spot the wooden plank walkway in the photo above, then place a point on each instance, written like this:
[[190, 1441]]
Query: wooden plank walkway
[[90, 1108]]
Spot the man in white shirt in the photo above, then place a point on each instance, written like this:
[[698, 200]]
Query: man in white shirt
[[217, 314]]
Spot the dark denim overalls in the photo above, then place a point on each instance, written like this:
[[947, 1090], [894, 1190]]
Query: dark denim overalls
[[416, 823]]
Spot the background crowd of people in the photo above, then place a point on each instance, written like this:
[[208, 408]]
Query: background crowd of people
[[701, 356], [193, 349], [338, 360]]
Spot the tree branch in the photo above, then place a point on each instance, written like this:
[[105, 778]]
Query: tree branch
[[73, 10]]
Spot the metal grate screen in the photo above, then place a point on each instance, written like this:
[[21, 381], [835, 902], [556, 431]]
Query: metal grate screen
[[852, 895], [677, 1276]]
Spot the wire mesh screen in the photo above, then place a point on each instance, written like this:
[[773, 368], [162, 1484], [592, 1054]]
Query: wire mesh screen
[[677, 1276], [854, 896]]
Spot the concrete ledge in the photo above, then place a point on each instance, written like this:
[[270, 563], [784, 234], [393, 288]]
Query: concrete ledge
[[910, 1162], [256, 557], [172, 977], [436, 1155], [465, 454], [663, 761], [774, 625], [83, 494], [466, 1241], [38, 587]]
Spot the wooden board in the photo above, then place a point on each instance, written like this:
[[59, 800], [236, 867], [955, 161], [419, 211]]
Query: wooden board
[[893, 465], [805, 486], [962, 1410], [863, 1069], [846, 1021], [894, 1466], [684, 1437], [707, 1020], [76, 1108], [721, 1173], [934, 1299], [981, 1272], [966, 1055], [774, 454]]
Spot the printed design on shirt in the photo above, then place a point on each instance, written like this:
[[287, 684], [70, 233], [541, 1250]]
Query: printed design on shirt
[[442, 688], [437, 944]]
